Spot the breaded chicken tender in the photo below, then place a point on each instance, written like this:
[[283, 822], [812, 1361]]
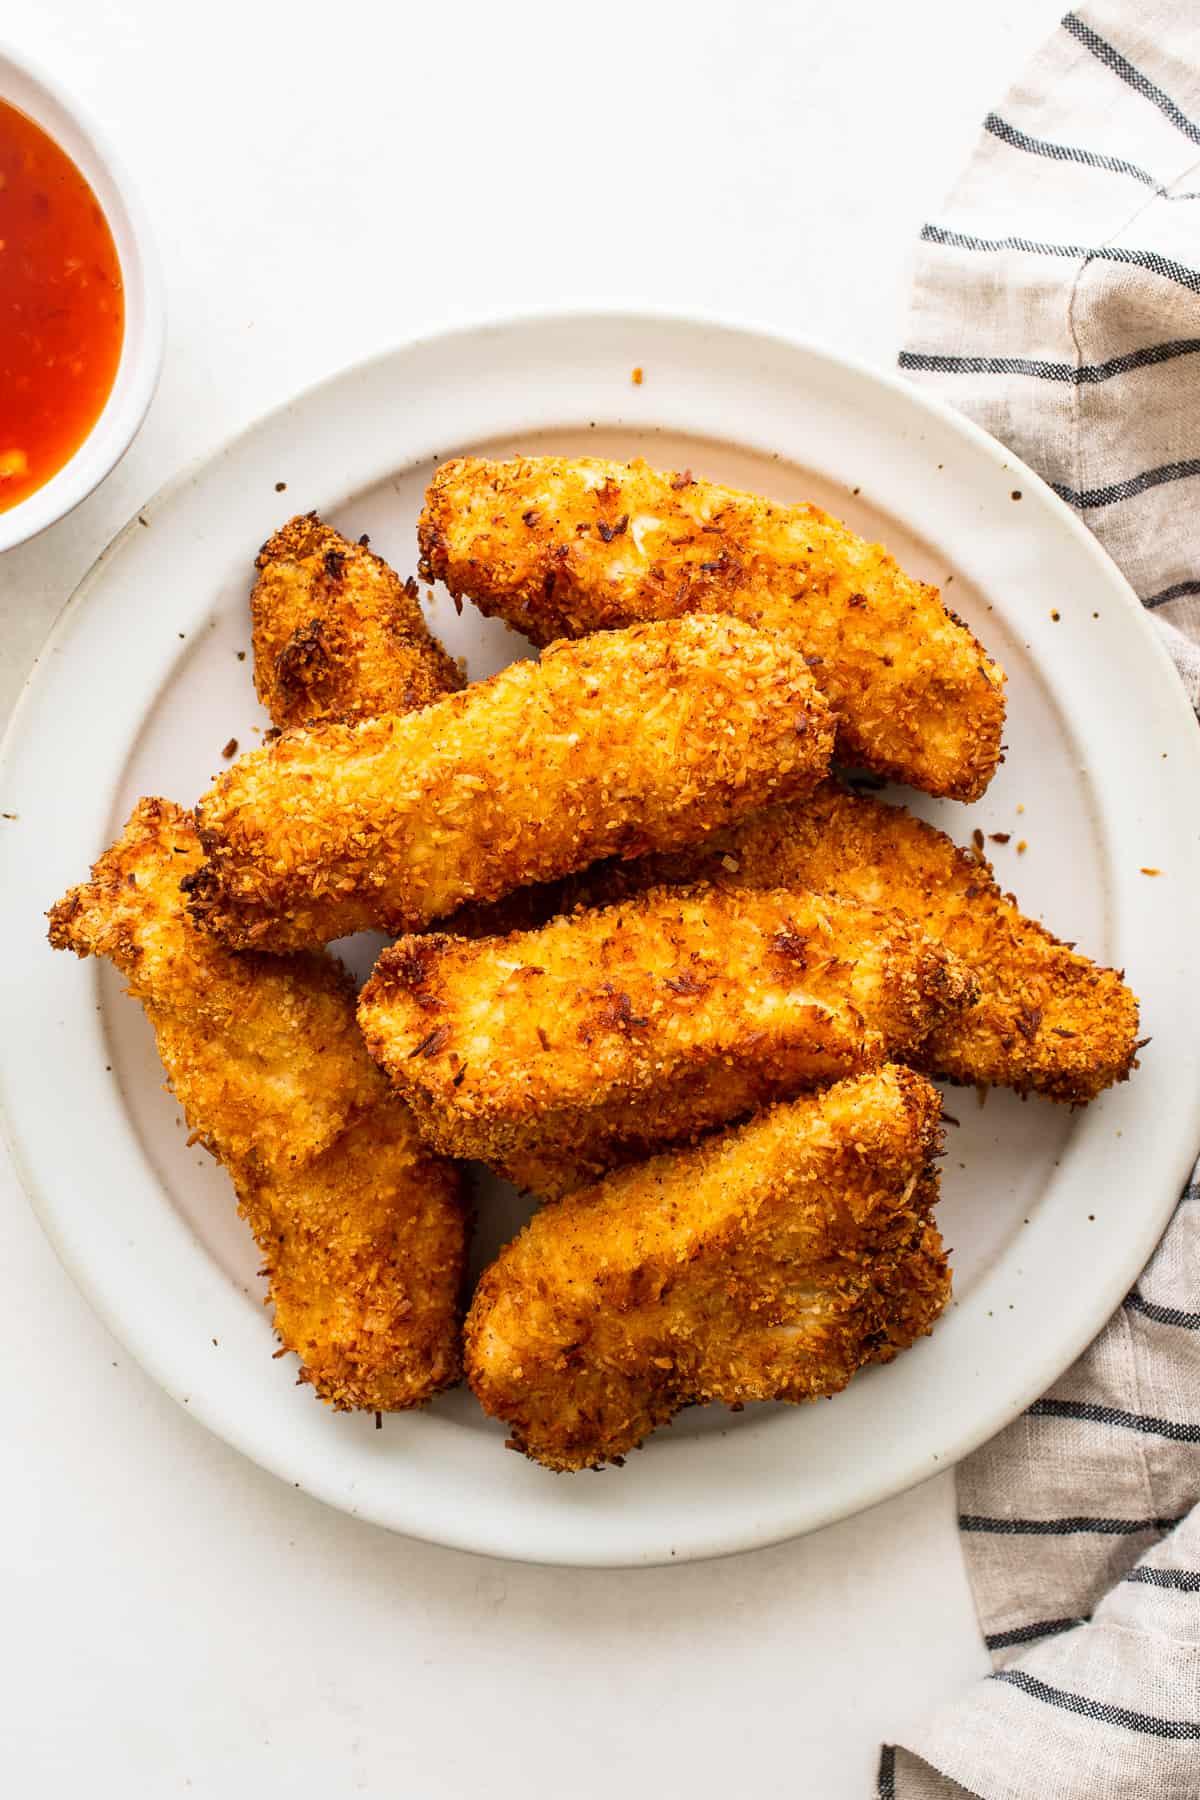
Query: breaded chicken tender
[[336, 634], [364, 1250], [770, 1262], [631, 741], [1048, 1021], [362, 1229], [556, 1054], [560, 547]]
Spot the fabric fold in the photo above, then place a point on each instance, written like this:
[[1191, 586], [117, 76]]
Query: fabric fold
[[1057, 302]]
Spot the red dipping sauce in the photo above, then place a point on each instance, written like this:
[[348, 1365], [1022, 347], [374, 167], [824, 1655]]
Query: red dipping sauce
[[62, 307]]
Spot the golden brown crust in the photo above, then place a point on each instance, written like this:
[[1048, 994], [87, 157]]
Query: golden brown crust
[[227, 1026], [563, 546], [555, 1054], [336, 633], [630, 741], [364, 1250], [770, 1262], [1049, 1021], [362, 1229]]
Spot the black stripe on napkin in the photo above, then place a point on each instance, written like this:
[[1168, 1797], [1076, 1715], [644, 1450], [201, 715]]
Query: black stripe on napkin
[[1064, 1527], [1078, 374], [1092, 159], [1112, 1415], [1178, 592], [1131, 487], [1099, 1710], [1112, 59], [1025, 1634], [1137, 1302], [1186, 1580], [1167, 267], [886, 1786]]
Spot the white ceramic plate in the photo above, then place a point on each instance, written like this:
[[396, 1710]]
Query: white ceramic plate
[[1050, 1213]]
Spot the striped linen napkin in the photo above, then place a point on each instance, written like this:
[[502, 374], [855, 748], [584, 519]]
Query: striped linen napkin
[[1057, 301]]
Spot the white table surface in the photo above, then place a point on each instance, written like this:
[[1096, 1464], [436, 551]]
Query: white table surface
[[327, 181]]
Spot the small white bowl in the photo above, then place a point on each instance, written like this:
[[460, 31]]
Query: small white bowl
[[145, 312]]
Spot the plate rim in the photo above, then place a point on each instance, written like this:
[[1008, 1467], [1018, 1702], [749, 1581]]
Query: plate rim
[[495, 324], [728, 324]]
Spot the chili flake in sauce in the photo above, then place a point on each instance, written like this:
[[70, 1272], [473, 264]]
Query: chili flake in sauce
[[62, 307]]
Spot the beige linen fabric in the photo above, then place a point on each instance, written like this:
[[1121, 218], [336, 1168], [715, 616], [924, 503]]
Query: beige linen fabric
[[1057, 301]]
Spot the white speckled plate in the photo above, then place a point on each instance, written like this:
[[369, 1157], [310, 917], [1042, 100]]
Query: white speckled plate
[[1050, 1213]]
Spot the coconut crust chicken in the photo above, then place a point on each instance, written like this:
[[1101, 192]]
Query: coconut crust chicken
[[564, 546], [361, 1228], [553, 1055], [1048, 1020], [768, 1263], [336, 633], [629, 742]]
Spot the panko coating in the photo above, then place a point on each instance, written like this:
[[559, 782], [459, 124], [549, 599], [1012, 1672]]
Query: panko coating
[[553, 1055], [769, 1262], [1049, 1020], [562, 546], [628, 742], [336, 633], [362, 1229]]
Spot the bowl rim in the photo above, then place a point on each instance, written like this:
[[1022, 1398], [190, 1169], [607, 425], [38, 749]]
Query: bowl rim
[[28, 86]]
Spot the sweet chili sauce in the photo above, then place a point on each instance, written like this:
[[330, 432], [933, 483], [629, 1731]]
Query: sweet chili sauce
[[62, 307]]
